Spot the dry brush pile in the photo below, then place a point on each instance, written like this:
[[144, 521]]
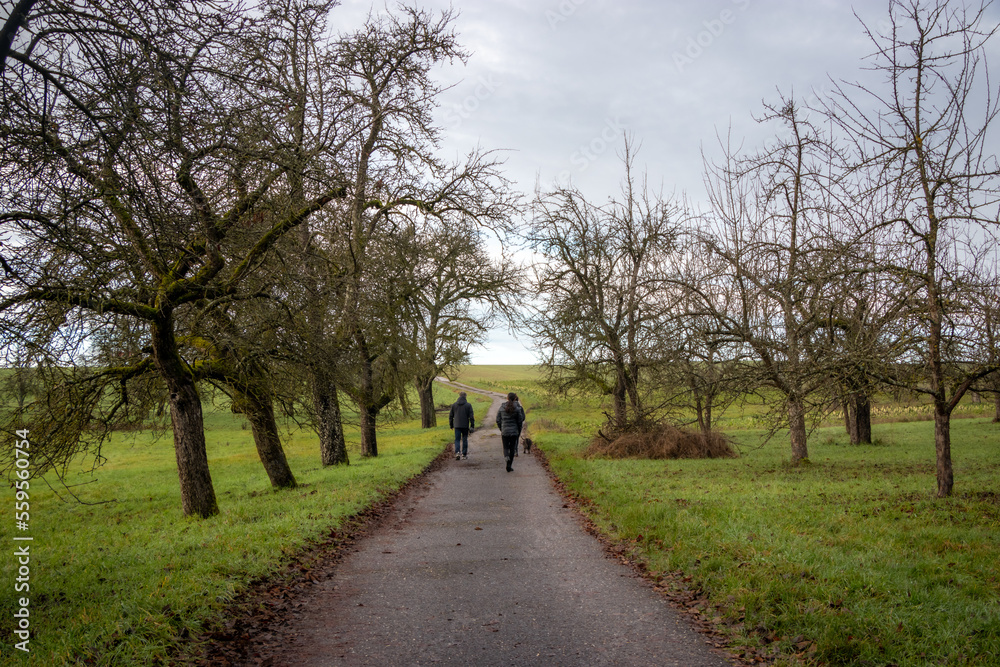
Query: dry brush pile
[[661, 442]]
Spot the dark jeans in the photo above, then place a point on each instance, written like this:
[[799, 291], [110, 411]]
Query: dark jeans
[[509, 446], [462, 435]]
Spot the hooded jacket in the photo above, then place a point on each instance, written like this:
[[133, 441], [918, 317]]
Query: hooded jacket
[[461, 414]]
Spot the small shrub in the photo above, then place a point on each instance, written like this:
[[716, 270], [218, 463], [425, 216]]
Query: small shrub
[[662, 442]]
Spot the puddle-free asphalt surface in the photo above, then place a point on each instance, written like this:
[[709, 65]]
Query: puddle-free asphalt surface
[[479, 566]]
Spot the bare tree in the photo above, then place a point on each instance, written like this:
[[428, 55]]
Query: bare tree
[[233, 348], [769, 236], [385, 70], [698, 371], [864, 326], [380, 362], [602, 283], [459, 291], [294, 56], [926, 137], [140, 184]]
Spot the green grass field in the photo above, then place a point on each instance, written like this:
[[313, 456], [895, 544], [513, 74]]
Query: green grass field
[[846, 560], [120, 577]]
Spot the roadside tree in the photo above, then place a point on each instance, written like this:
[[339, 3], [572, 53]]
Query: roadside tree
[[927, 137], [769, 236], [603, 289], [395, 175], [459, 292], [139, 184]]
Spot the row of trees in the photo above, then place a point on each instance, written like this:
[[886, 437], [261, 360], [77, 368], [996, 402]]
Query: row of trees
[[856, 251], [214, 193]]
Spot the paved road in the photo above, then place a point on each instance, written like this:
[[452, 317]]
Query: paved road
[[484, 567]]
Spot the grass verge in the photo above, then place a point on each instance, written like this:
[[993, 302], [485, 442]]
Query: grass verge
[[845, 560], [125, 577]]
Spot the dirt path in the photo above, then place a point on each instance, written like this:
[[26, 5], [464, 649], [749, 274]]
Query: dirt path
[[478, 566]]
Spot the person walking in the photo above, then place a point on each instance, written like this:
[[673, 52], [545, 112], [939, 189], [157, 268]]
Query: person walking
[[520, 408], [463, 420], [509, 421]]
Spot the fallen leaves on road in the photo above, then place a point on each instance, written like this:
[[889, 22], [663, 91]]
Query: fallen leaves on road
[[255, 630]]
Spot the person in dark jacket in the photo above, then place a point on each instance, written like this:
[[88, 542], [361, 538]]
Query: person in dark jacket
[[517, 402], [462, 419], [509, 420]]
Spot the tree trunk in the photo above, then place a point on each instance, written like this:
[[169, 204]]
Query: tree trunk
[[259, 411], [618, 396], [700, 411], [858, 417], [631, 377], [369, 443], [709, 403], [367, 405], [197, 492], [850, 418], [942, 445], [428, 416], [15, 21], [996, 407], [22, 388], [326, 408], [797, 430], [862, 411]]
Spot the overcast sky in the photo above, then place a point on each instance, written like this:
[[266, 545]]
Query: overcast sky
[[556, 83]]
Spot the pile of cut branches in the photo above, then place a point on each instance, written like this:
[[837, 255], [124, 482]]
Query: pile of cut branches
[[661, 442]]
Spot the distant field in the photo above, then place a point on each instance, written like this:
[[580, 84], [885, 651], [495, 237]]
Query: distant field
[[495, 376]]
